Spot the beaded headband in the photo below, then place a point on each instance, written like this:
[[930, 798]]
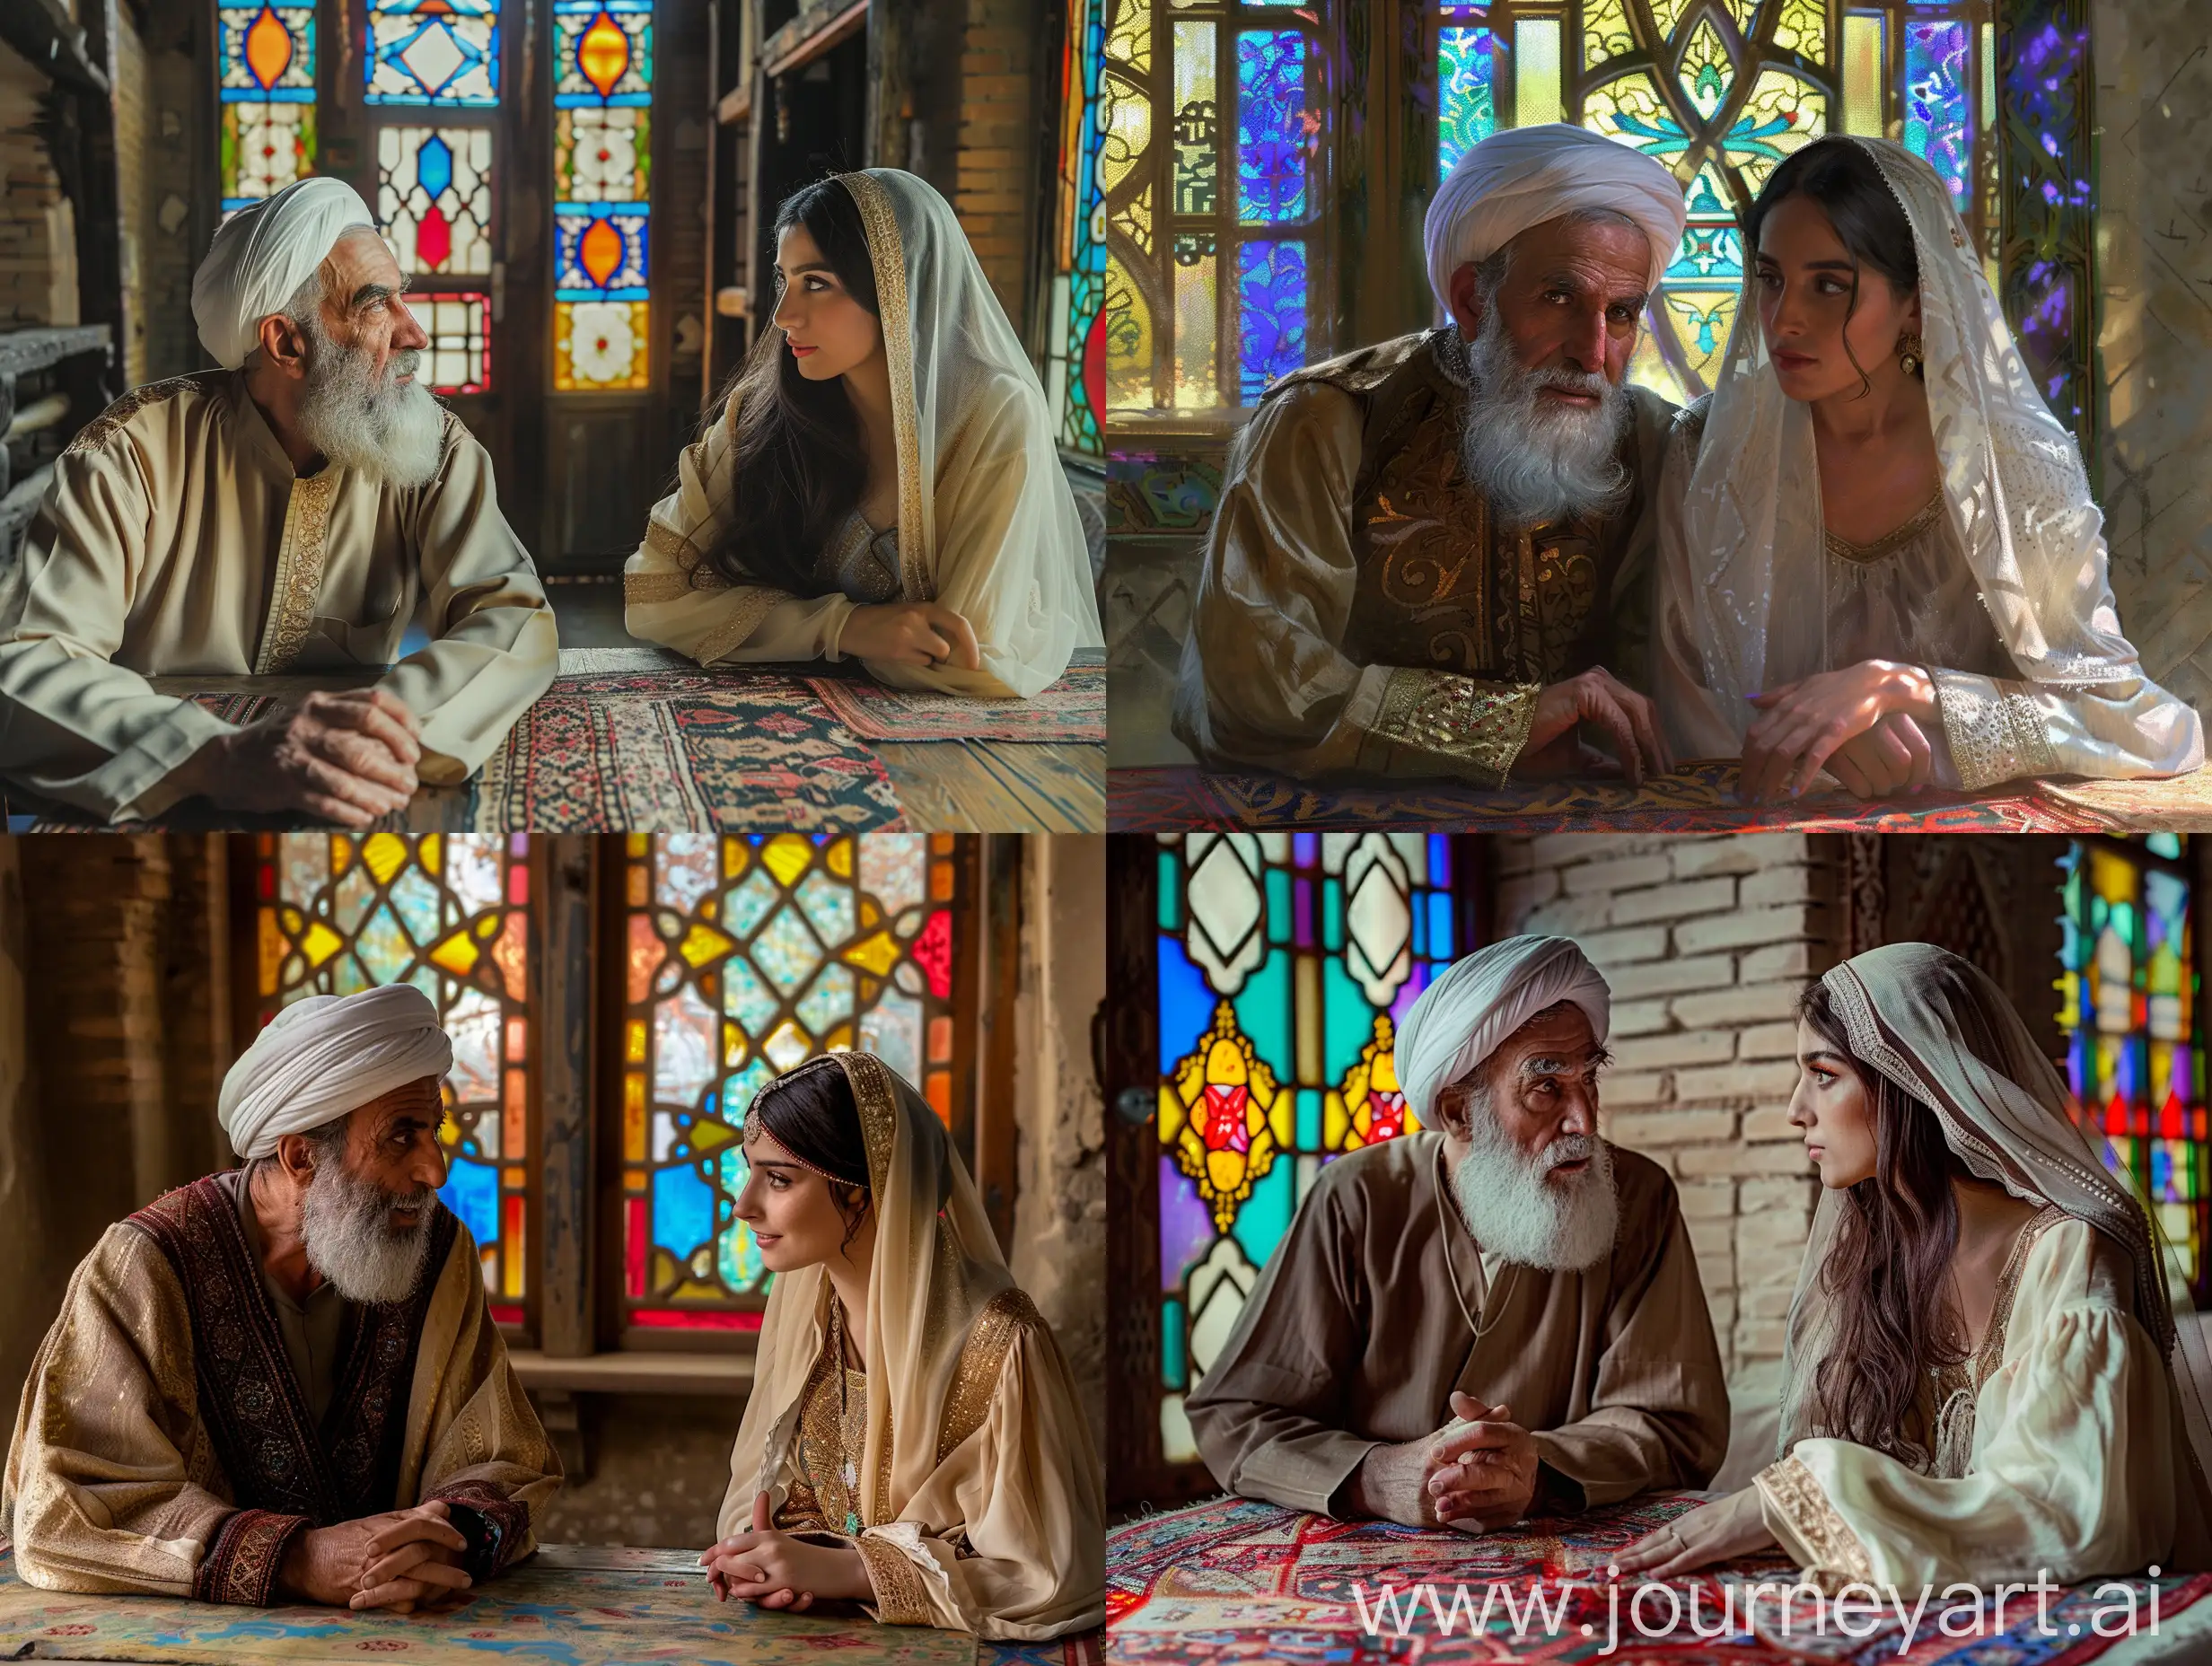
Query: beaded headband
[[755, 1125]]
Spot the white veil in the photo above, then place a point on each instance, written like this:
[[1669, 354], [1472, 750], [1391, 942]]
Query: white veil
[[1749, 528], [1934, 1024]]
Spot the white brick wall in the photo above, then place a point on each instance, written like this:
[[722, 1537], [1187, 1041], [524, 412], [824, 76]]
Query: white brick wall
[[1707, 942]]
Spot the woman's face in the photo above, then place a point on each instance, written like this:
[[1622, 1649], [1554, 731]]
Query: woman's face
[[793, 1217], [825, 330], [1804, 292], [1834, 1111]]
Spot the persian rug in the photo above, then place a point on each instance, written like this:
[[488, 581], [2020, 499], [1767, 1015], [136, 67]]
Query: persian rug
[[1697, 798], [1233, 1581], [567, 1606], [1072, 710], [667, 750]]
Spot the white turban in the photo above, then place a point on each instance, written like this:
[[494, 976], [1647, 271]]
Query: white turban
[[1520, 177], [325, 1056], [1463, 1018], [262, 254]]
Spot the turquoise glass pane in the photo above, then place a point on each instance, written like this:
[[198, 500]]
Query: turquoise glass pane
[[1465, 116], [1938, 111], [1272, 125], [683, 1210]]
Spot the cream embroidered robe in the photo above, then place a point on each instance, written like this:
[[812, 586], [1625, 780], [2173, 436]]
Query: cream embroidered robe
[[2078, 1462], [1376, 1306], [176, 540], [1359, 611], [163, 1443]]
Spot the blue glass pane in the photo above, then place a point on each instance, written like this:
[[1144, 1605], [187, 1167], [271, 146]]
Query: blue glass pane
[[1186, 1003], [1265, 1217], [1465, 114], [1271, 125], [683, 1210], [472, 1191], [1937, 108], [1186, 1228], [1270, 281], [433, 166]]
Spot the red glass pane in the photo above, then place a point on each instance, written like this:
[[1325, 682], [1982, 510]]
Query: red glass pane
[[634, 1245], [693, 1319]]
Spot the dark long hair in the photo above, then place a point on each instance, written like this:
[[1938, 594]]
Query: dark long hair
[[800, 467], [1869, 220], [1888, 1267], [812, 1116]]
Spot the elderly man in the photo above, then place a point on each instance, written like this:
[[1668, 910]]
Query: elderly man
[[1497, 1319], [280, 1383], [293, 512], [1432, 556]]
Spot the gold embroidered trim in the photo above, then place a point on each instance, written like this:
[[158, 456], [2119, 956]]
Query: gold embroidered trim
[[887, 252], [655, 586], [1789, 1486], [901, 1597], [975, 1380], [1890, 542], [1994, 736], [1483, 725], [749, 608], [1990, 1354], [119, 413], [299, 573]]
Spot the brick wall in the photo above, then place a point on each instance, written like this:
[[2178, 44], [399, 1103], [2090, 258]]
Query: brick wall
[[1706, 943], [38, 231], [995, 196]]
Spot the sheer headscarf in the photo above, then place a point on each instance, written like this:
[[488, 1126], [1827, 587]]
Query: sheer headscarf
[[2014, 492], [1934, 1025], [977, 461]]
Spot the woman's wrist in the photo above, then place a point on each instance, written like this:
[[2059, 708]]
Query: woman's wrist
[[1908, 689]]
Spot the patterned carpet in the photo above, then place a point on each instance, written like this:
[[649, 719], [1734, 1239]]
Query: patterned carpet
[[1233, 1581], [1072, 710], [1697, 798]]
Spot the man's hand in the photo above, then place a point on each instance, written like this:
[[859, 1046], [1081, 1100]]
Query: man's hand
[[1802, 725], [1734, 1526], [1554, 747], [911, 633], [348, 758], [328, 1565], [1475, 1473], [777, 1571]]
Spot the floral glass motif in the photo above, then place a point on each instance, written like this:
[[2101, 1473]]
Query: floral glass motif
[[336, 914], [745, 957], [459, 356], [1285, 961], [439, 52], [602, 92], [434, 198], [1466, 114], [267, 94], [1077, 362], [2128, 1004]]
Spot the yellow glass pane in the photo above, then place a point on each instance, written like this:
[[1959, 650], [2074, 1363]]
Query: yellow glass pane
[[271, 945], [385, 855], [1988, 76], [512, 1252], [320, 944], [736, 1048], [708, 1135], [1649, 368], [341, 854], [1536, 65], [877, 954], [786, 857], [1196, 121], [1126, 116], [1863, 54], [1666, 14], [458, 953], [602, 345], [1629, 109], [1701, 321], [634, 1041], [1131, 41], [1802, 28], [1196, 386], [839, 857], [735, 854], [633, 1117], [1705, 74], [703, 943], [1605, 34], [1784, 113], [430, 851], [1129, 342]]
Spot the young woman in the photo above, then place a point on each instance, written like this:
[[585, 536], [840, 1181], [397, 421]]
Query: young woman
[[879, 481], [1876, 457], [912, 1440], [1980, 1378]]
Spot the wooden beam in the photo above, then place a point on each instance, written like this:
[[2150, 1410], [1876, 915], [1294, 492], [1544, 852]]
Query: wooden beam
[[635, 1373], [567, 866], [736, 105], [814, 31]]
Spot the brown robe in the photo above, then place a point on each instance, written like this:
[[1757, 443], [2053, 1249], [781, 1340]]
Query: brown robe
[[1358, 1331]]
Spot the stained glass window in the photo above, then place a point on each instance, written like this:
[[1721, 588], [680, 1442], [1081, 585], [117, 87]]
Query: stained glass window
[[602, 96], [2128, 1005], [336, 914], [433, 52], [1285, 961], [1465, 66], [746, 956], [1212, 205], [458, 357], [1077, 363], [434, 198], [267, 79]]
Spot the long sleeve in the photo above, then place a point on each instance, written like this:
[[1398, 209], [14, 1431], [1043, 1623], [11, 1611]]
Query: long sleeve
[[75, 726], [2073, 1469], [672, 597], [1006, 1540], [108, 1478], [1264, 678], [494, 646], [1999, 729]]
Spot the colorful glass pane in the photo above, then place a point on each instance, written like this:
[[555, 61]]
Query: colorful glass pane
[[600, 345], [599, 251], [1937, 102], [1465, 114], [458, 357], [1077, 364], [602, 87], [1285, 961], [267, 79], [434, 198], [746, 957], [1270, 313], [1273, 125], [433, 52], [602, 52], [1197, 120], [602, 155], [450, 914], [2128, 1004]]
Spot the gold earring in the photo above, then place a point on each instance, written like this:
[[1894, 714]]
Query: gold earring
[[1911, 353]]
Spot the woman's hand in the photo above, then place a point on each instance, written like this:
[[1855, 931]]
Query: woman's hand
[[911, 633], [1720, 1531], [779, 1570], [1803, 725]]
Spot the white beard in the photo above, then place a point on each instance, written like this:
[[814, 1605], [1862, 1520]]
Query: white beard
[[1514, 1211], [345, 1222], [376, 426], [1532, 458]]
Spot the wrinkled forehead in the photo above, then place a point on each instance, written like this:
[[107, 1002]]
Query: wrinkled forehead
[[1559, 1037], [359, 260]]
